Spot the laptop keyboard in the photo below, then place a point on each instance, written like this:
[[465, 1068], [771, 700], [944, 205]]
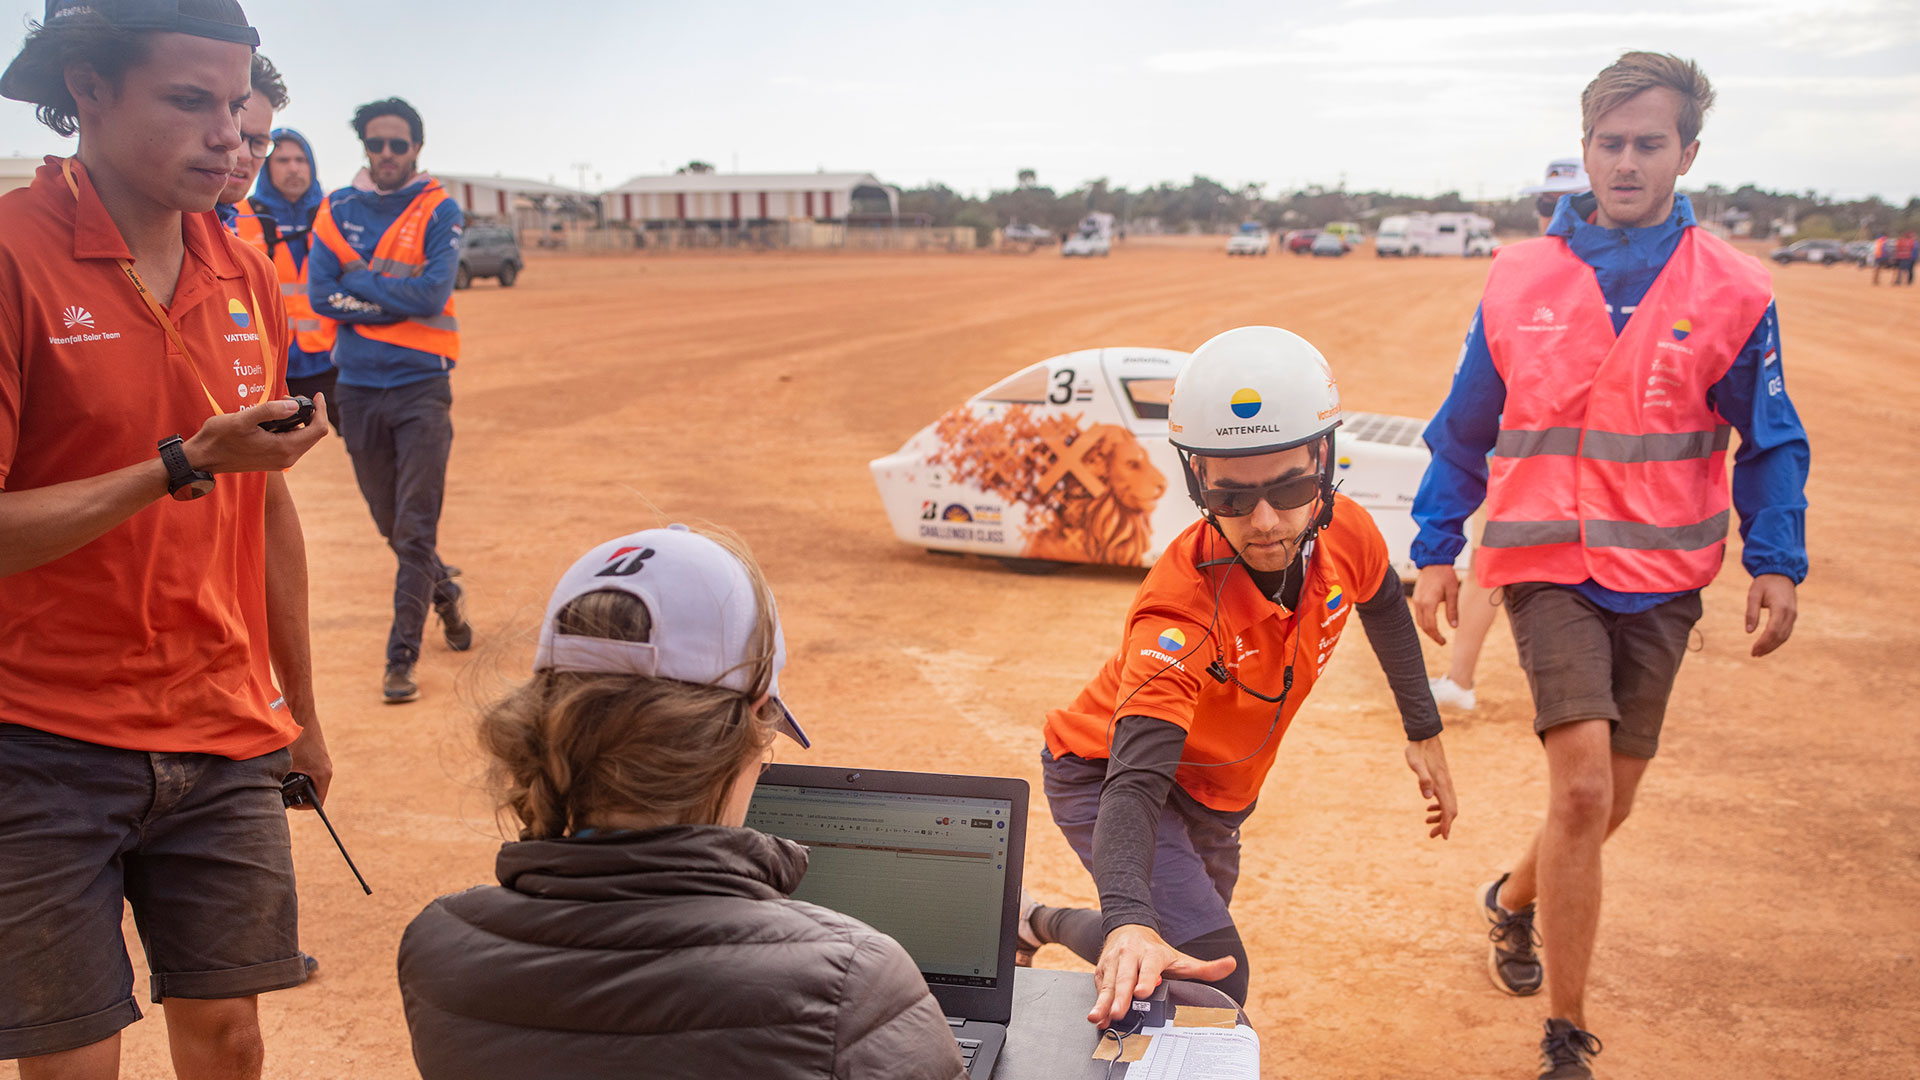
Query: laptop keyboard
[[968, 1047]]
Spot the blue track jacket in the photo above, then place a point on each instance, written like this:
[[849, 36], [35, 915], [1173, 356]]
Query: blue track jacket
[[295, 220], [362, 297], [1769, 470]]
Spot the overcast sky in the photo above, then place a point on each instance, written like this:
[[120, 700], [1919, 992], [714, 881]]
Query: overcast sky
[[1417, 96]]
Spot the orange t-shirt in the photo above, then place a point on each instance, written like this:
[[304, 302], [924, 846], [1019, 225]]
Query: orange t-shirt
[[1172, 636], [154, 636]]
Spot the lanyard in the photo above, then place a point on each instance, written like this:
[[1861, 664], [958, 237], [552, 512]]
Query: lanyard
[[160, 316]]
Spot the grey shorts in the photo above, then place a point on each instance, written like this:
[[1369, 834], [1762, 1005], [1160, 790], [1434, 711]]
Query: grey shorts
[[1587, 663], [197, 844], [1196, 852]]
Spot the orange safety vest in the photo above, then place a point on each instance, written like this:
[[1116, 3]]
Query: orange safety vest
[[1610, 464], [401, 252], [314, 333]]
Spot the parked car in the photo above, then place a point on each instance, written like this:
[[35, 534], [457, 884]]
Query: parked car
[[1810, 251], [1859, 252], [488, 251], [1300, 240], [1024, 233], [1093, 237], [1250, 240], [1329, 243]]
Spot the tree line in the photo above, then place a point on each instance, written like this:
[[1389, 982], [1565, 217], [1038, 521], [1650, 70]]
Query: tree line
[[1205, 205]]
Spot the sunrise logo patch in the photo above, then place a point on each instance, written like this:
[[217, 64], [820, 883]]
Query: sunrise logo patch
[[1681, 329], [1172, 640], [238, 312], [956, 512], [1246, 403]]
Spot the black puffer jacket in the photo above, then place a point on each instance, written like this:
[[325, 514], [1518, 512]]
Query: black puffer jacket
[[668, 952]]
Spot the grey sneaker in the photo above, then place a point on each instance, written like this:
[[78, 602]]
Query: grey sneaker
[[1512, 963], [1029, 941], [453, 620], [399, 686], [1565, 1051]]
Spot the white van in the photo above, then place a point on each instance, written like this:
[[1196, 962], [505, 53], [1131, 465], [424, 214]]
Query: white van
[[1392, 239], [1094, 236]]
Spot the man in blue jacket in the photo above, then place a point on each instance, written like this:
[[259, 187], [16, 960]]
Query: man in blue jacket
[[382, 265], [288, 194], [1601, 653]]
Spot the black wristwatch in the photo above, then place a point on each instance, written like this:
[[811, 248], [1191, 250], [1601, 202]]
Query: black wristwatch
[[184, 482]]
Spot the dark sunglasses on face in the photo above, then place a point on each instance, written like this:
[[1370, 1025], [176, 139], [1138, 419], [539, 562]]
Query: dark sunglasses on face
[[381, 146], [1288, 494]]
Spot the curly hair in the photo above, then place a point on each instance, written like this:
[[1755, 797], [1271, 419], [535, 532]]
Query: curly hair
[[268, 83], [392, 106], [566, 748]]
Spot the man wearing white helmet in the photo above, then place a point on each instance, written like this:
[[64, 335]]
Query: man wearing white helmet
[[1153, 767]]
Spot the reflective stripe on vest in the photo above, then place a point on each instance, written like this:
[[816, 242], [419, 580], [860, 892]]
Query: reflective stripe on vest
[[310, 332], [400, 252], [1610, 464]]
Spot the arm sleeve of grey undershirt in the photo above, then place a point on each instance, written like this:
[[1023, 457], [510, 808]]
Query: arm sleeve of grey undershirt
[[1131, 799], [1396, 643]]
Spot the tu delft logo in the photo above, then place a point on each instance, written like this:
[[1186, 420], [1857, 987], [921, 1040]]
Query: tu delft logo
[[626, 562], [75, 316]]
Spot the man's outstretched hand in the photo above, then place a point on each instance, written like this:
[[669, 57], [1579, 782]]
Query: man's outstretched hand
[[1133, 961]]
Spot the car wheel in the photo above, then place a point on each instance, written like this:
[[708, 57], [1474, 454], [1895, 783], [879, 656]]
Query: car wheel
[[509, 273], [462, 278], [1034, 567]]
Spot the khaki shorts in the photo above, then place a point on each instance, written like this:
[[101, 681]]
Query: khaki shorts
[[1587, 663]]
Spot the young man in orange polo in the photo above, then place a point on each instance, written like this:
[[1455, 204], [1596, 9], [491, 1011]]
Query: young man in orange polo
[[1153, 767], [143, 738], [1601, 377]]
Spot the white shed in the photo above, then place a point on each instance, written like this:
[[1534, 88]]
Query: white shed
[[694, 198]]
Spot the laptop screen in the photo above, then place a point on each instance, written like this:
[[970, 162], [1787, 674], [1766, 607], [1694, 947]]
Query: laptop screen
[[930, 871]]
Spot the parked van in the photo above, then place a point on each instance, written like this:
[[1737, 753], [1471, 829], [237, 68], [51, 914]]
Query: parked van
[[1094, 236], [1392, 239]]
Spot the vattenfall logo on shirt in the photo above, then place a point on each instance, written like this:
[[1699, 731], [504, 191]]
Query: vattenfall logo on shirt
[[80, 321]]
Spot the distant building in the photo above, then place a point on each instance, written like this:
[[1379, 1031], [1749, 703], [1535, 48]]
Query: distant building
[[750, 198], [523, 203]]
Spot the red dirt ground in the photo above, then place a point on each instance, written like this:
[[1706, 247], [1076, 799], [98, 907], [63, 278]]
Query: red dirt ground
[[1763, 907]]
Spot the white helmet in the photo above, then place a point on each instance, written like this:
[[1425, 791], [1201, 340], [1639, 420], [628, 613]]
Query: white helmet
[[1252, 390]]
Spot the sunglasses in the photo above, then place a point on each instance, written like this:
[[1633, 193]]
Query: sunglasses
[[1288, 494], [1545, 205], [381, 146]]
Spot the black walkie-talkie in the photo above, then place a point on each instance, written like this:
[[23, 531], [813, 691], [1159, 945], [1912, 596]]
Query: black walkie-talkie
[[297, 790]]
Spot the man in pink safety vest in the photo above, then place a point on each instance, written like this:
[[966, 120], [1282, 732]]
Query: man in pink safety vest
[[1592, 410]]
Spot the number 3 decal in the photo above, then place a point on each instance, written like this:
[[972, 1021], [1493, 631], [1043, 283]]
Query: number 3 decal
[[1062, 392]]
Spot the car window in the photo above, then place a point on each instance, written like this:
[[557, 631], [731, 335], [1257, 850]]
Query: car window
[[1149, 397]]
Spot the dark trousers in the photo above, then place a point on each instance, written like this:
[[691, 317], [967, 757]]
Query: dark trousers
[[399, 440], [308, 385]]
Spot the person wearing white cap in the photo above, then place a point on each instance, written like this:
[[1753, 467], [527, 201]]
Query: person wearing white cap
[[638, 925], [1479, 605], [1565, 176]]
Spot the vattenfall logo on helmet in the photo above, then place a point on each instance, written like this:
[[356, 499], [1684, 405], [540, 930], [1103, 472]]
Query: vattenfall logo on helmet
[[1246, 403]]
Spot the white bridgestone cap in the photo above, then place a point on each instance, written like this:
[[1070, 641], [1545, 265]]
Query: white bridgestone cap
[[702, 606]]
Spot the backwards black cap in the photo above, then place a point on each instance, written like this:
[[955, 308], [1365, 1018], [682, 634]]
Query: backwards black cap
[[30, 78], [162, 15]]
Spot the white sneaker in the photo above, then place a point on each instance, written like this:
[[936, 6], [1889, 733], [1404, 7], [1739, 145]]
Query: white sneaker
[[1028, 938], [1451, 694]]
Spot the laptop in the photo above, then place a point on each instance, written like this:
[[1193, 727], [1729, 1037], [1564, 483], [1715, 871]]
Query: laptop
[[932, 861]]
